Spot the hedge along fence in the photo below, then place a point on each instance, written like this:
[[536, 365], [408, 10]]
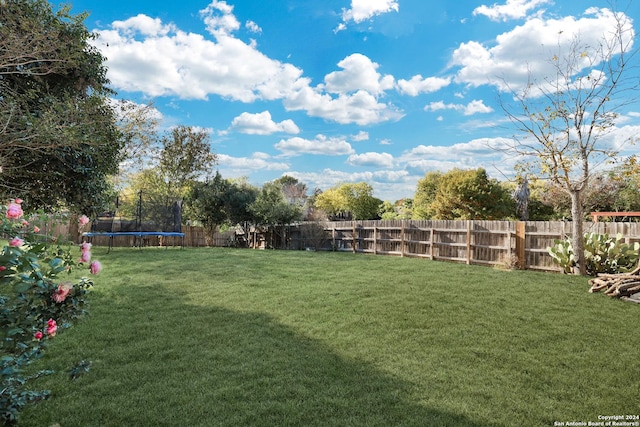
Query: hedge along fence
[[471, 242]]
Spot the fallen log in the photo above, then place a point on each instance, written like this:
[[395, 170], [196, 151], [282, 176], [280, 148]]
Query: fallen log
[[625, 286], [633, 298]]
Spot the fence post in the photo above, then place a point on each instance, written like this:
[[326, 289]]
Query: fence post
[[333, 239], [375, 238], [354, 237], [432, 234], [469, 241], [521, 228], [402, 239]]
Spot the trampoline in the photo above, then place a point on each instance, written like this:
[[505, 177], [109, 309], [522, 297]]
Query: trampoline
[[141, 219], [138, 235]]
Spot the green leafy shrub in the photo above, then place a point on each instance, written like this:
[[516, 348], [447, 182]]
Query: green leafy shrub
[[35, 304], [602, 253]]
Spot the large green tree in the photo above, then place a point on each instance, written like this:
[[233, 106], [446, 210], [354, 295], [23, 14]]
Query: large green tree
[[354, 198], [463, 194], [206, 203], [59, 141], [425, 195], [271, 207], [221, 201], [184, 157], [238, 201], [330, 201]]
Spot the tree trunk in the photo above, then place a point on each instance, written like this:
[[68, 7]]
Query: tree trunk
[[577, 239]]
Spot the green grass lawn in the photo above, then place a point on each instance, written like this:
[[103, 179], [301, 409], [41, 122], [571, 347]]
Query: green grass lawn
[[224, 337]]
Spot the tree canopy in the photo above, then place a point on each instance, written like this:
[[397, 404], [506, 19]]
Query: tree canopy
[[185, 156], [218, 201], [426, 191], [271, 207], [462, 194], [58, 132], [351, 198]]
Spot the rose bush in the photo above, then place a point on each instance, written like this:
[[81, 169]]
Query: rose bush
[[34, 304]]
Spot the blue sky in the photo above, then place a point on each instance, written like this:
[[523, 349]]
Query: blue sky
[[336, 91]]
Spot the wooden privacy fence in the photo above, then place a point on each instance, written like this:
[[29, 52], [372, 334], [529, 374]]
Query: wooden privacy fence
[[471, 242]]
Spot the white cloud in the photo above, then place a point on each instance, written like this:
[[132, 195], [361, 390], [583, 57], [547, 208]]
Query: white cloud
[[360, 136], [418, 85], [440, 105], [474, 107], [621, 139], [170, 62], [320, 145], [512, 9], [144, 25], [219, 18], [358, 73], [624, 139], [362, 10], [262, 124], [258, 161], [390, 176], [144, 55], [526, 53], [361, 107], [253, 27], [387, 184], [381, 160], [357, 86], [488, 153]]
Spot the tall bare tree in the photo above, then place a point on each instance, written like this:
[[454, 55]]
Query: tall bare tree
[[563, 117]]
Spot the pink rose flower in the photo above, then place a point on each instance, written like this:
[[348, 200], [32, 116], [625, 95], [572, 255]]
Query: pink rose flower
[[36, 229], [52, 327], [16, 242], [62, 292], [85, 246], [83, 220], [95, 267], [85, 256], [14, 211], [2, 268], [38, 335]]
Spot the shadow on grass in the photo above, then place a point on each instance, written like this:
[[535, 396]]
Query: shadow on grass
[[196, 365]]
